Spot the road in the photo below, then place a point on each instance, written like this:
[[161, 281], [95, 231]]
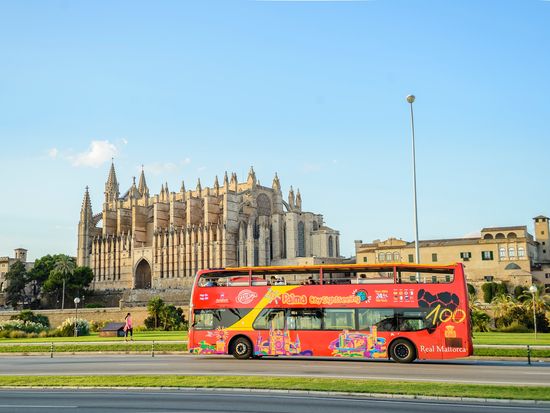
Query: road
[[93, 401], [469, 371]]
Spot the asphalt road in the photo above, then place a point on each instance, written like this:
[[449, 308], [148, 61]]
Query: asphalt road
[[470, 371], [94, 401]]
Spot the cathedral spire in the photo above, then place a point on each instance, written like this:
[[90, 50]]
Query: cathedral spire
[[225, 181], [251, 180], [234, 185], [111, 186], [199, 187], [86, 209], [166, 190], [216, 186], [276, 183], [298, 200], [291, 198], [182, 189], [142, 186], [161, 194]]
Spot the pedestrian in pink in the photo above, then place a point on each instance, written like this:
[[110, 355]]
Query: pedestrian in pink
[[128, 329]]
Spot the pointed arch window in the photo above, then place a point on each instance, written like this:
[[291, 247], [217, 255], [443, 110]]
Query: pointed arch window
[[330, 246], [301, 240]]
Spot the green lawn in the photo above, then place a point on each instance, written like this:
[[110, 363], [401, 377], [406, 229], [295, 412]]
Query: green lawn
[[138, 336], [512, 338], [290, 383]]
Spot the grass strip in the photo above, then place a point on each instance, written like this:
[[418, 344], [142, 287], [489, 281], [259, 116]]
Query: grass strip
[[77, 348], [509, 352], [289, 383], [137, 347]]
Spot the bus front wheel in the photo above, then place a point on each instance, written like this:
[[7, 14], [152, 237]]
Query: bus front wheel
[[402, 351], [242, 348]]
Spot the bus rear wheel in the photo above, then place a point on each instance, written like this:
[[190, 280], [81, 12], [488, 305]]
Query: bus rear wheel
[[402, 351], [242, 348]]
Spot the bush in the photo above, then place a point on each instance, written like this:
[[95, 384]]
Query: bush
[[23, 326], [519, 293], [28, 315], [492, 290], [471, 289], [515, 327], [96, 326], [480, 321], [66, 329], [94, 305]]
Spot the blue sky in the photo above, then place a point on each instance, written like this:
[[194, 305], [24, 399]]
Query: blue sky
[[314, 90]]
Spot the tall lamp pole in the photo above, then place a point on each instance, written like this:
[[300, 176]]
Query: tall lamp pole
[[411, 99], [533, 290], [76, 301]]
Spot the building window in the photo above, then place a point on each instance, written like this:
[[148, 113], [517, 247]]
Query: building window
[[547, 275], [486, 255], [488, 278], [434, 257], [521, 252], [511, 252], [388, 257], [396, 257], [365, 259], [381, 257], [330, 246], [544, 251], [465, 256], [411, 258], [502, 252]]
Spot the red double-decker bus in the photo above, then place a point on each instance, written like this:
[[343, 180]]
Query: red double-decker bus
[[399, 311]]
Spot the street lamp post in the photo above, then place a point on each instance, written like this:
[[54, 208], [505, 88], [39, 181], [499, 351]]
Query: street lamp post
[[410, 100], [76, 301], [533, 290]]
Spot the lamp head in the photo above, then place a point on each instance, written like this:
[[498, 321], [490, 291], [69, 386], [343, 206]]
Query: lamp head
[[76, 300], [410, 98], [533, 289]]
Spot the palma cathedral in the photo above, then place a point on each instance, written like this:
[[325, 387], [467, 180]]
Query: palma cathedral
[[143, 241]]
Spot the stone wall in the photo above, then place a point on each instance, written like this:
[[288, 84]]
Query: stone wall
[[56, 317]]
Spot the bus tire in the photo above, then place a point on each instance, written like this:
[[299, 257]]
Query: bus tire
[[242, 348], [402, 351]]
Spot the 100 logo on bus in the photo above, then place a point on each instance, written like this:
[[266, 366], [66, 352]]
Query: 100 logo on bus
[[444, 315]]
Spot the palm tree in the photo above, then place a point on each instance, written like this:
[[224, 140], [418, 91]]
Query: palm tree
[[154, 308], [65, 266], [540, 300], [502, 305]]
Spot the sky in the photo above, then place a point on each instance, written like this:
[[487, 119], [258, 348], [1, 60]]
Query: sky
[[312, 90]]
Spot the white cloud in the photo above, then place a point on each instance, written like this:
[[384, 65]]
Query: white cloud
[[97, 154], [186, 161], [53, 152], [473, 234]]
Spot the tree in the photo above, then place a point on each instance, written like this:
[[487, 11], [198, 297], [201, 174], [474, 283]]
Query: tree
[[39, 274], [154, 308], [65, 266], [503, 306], [17, 280], [65, 276]]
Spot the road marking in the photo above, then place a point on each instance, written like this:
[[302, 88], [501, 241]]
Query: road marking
[[33, 406]]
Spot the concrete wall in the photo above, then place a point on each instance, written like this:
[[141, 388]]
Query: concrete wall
[[139, 314]]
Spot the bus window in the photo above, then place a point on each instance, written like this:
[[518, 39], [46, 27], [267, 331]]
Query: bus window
[[304, 319], [204, 319], [339, 319], [379, 317], [222, 318], [411, 320], [270, 319]]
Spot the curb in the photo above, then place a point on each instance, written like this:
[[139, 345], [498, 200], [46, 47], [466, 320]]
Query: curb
[[302, 393]]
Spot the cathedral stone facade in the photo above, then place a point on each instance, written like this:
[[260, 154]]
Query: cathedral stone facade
[[140, 241]]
